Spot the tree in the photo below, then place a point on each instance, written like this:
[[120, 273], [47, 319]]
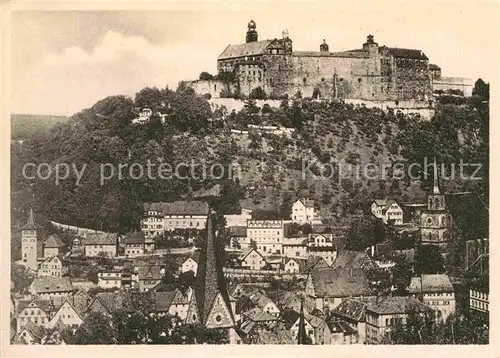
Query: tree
[[428, 260], [401, 276], [97, 329], [205, 76], [481, 89], [255, 140], [379, 231], [257, 93]]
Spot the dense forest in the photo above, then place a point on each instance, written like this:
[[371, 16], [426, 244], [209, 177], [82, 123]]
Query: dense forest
[[325, 132]]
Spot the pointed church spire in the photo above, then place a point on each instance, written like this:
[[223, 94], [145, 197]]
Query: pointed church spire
[[435, 189], [302, 335], [211, 291], [30, 225]]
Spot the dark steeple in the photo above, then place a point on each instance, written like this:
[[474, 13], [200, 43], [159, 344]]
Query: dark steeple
[[211, 291], [302, 334], [252, 35], [31, 225]]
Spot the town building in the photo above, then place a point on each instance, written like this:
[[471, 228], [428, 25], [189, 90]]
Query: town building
[[67, 315], [353, 313], [294, 265], [110, 279], [303, 212], [436, 291], [353, 259], [238, 219], [329, 287], [442, 84], [342, 333], [161, 217], [267, 234], [134, 244], [388, 312], [435, 222], [148, 277], [189, 264], [388, 210], [291, 319], [479, 295], [29, 242], [322, 245], [52, 267], [37, 312], [295, 247], [96, 244], [30, 334], [251, 259], [175, 303], [238, 237], [53, 246], [51, 287]]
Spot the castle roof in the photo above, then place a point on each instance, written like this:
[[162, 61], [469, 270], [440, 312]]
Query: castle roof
[[407, 53], [31, 225], [348, 54], [246, 49], [181, 207]]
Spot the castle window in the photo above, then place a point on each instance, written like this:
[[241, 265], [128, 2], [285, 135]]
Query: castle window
[[304, 80], [322, 79], [341, 79], [359, 80]]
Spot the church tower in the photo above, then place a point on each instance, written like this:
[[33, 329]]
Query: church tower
[[211, 294], [29, 238], [435, 222], [252, 35]]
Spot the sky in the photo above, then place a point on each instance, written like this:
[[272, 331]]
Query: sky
[[65, 61]]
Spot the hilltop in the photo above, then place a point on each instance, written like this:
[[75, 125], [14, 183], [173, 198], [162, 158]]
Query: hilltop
[[270, 165], [24, 126]]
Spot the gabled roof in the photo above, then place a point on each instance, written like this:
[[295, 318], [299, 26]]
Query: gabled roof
[[337, 326], [181, 207], [398, 304], [149, 272], [380, 202], [163, 300], [96, 238], [431, 283], [315, 263], [388, 204], [248, 252], [352, 259], [290, 317], [340, 282], [256, 314], [44, 305], [434, 67], [31, 225], [37, 332], [259, 299], [53, 241], [51, 259], [352, 309], [52, 284], [134, 238], [246, 49]]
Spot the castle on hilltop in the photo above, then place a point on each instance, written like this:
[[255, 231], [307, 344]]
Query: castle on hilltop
[[372, 72]]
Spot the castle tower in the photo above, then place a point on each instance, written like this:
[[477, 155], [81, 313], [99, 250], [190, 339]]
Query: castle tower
[[324, 46], [212, 297], [435, 222], [252, 35], [29, 242], [287, 42], [370, 45]]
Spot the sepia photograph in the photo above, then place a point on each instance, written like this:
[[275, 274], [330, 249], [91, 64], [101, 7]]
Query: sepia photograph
[[303, 174]]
